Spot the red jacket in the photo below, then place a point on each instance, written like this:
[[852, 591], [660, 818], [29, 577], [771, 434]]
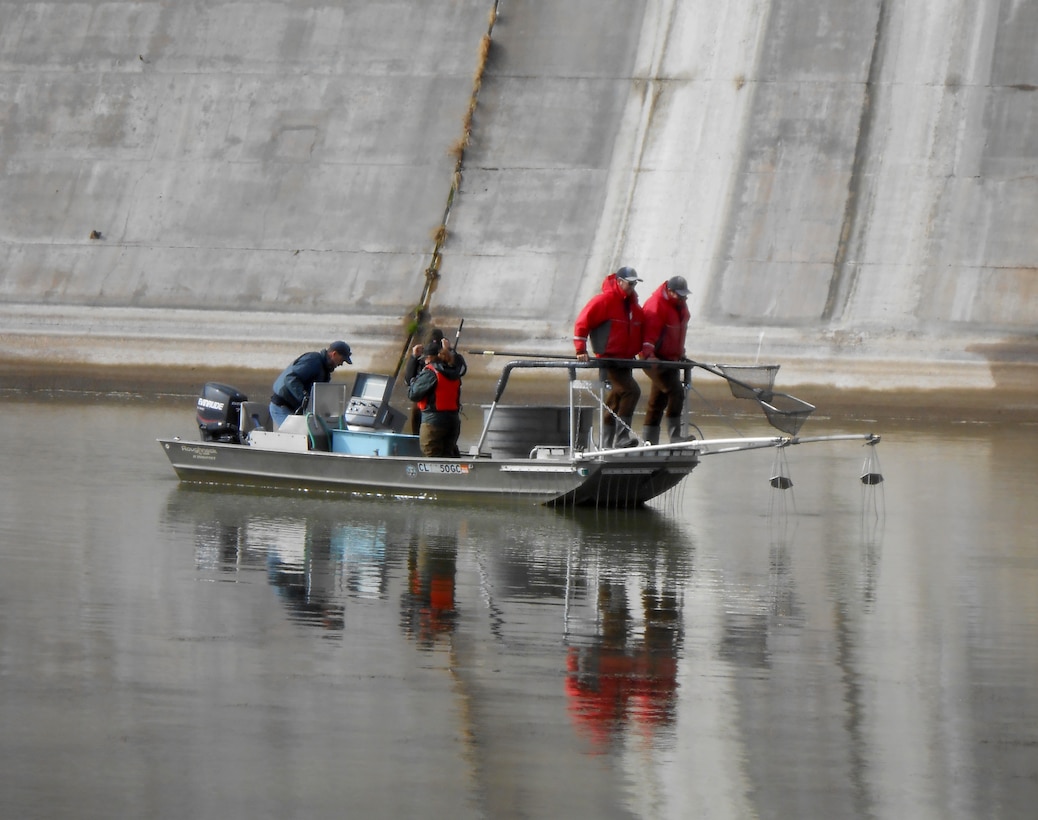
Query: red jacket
[[666, 322], [613, 320]]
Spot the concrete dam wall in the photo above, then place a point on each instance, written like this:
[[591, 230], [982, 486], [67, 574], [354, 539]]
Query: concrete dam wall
[[849, 186]]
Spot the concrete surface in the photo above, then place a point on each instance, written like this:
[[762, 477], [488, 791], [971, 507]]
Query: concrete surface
[[850, 187]]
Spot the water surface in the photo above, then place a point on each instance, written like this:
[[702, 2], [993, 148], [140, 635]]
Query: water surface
[[734, 651]]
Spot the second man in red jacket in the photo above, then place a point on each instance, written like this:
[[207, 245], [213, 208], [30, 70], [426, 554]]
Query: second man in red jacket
[[666, 323]]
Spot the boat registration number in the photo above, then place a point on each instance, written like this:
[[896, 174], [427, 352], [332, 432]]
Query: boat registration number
[[450, 467]]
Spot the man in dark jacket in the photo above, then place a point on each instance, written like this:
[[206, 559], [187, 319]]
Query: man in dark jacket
[[666, 323], [437, 392], [292, 387], [613, 322]]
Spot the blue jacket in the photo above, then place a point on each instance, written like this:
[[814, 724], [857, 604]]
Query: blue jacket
[[295, 381]]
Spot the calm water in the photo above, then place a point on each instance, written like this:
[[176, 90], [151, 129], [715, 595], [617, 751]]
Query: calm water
[[832, 651]]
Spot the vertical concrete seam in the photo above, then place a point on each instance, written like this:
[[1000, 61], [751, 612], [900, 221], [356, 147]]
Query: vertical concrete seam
[[419, 314], [843, 278], [651, 92], [723, 258]]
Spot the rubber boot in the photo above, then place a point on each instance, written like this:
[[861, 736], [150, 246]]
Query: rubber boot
[[674, 429], [608, 432], [651, 434], [624, 437]]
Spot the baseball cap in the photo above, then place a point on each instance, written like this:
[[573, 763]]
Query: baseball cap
[[628, 274], [342, 349], [433, 349], [678, 285]]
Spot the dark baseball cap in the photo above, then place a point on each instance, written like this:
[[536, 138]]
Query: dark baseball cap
[[342, 349], [678, 285], [628, 274]]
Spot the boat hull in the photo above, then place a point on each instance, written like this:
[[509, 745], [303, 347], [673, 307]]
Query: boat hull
[[619, 480]]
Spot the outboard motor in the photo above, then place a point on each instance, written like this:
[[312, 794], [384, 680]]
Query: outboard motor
[[218, 413]]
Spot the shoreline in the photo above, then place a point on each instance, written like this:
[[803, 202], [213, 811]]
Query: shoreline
[[173, 385]]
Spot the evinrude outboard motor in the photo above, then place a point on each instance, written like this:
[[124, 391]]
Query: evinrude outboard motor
[[218, 413]]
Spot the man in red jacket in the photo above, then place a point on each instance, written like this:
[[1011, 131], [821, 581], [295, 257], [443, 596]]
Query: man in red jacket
[[666, 323], [612, 320]]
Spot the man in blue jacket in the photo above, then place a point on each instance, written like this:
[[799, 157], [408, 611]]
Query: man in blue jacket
[[292, 387]]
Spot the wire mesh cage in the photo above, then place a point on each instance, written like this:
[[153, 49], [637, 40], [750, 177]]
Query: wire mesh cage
[[786, 413], [750, 381]]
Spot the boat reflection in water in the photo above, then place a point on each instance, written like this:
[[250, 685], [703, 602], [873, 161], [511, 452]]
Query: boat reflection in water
[[314, 563], [596, 595]]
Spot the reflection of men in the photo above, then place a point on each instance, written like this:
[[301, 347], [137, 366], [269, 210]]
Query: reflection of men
[[666, 323], [292, 387], [612, 320], [617, 679], [429, 605], [437, 391]]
